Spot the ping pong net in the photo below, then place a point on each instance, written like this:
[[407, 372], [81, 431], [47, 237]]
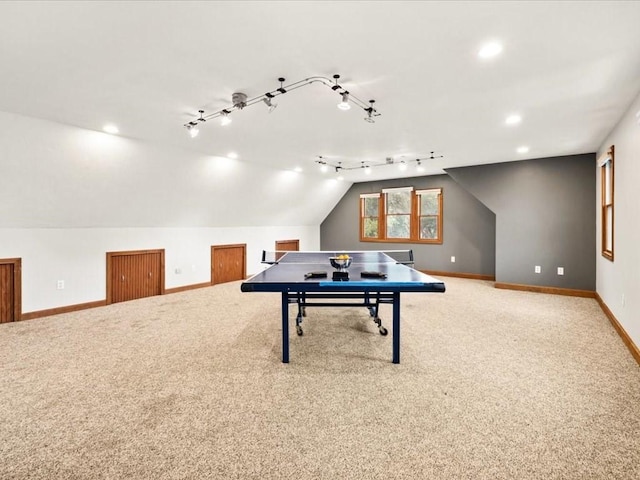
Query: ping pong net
[[404, 257]]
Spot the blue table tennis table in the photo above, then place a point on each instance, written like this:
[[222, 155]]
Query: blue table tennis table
[[374, 278]]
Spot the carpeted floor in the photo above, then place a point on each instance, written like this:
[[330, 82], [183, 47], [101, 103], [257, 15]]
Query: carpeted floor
[[493, 384]]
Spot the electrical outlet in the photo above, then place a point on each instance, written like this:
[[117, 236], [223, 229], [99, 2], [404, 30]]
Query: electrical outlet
[[623, 300], [560, 270], [178, 271], [537, 269], [453, 259], [60, 284]]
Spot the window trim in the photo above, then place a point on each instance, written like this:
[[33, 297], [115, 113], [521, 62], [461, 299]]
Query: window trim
[[363, 196], [414, 216], [419, 215], [607, 210], [411, 214]]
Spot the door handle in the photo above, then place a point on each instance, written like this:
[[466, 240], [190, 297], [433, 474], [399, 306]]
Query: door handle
[[123, 278]]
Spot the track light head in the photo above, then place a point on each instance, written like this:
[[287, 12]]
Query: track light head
[[370, 111], [267, 100], [225, 119], [192, 129], [344, 104]]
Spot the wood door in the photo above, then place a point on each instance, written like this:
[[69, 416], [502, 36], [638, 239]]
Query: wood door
[[286, 246], [228, 263], [10, 289], [134, 274]]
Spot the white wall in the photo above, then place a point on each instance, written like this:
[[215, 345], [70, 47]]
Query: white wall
[[78, 256], [58, 176], [618, 282], [68, 196]]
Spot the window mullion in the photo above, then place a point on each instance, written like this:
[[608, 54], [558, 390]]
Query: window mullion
[[382, 217]]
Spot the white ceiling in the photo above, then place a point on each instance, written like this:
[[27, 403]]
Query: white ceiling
[[570, 69]]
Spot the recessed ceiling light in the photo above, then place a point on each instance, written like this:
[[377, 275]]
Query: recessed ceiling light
[[523, 149], [490, 50], [297, 169], [340, 178], [232, 155], [112, 129], [513, 120]]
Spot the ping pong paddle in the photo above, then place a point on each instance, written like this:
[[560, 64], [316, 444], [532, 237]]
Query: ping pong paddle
[[315, 275], [369, 274]]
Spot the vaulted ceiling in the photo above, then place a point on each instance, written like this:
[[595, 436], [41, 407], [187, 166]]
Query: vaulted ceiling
[[569, 69]]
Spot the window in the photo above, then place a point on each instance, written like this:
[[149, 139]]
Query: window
[[401, 215], [398, 212], [370, 208], [429, 214], [606, 194]]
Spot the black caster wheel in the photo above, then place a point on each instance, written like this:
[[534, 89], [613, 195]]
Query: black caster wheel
[[299, 331], [383, 331]]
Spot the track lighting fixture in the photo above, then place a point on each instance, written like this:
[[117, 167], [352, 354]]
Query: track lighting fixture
[[267, 100], [193, 130], [240, 100], [344, 104], [370, 112], [367, 167], [192, 127], [225, 119]]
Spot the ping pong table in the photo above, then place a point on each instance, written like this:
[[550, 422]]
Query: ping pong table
[[374, 278]]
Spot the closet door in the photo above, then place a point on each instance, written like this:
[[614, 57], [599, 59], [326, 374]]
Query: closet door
[[134, 274], [286, 246], [10, 285], [228, 263]]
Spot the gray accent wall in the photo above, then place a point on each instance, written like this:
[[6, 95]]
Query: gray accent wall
[[469, 228], [499, 220], [545, 215]]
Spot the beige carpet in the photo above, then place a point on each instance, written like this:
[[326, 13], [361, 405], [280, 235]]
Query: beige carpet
[[493, 384]]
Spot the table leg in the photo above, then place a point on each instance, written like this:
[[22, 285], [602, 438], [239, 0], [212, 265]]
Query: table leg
[[396, 327], [285, 327]]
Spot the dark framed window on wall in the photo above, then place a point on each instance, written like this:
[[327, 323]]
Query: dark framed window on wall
[[401, 215], [606, 164]]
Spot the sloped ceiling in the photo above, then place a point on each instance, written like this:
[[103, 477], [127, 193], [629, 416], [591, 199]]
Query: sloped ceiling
[[570, 69]]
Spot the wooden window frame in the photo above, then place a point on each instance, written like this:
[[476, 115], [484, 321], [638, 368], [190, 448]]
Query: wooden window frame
[[385, 215], [414, 219], [438, 239], [607, 202], [379, 217]]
